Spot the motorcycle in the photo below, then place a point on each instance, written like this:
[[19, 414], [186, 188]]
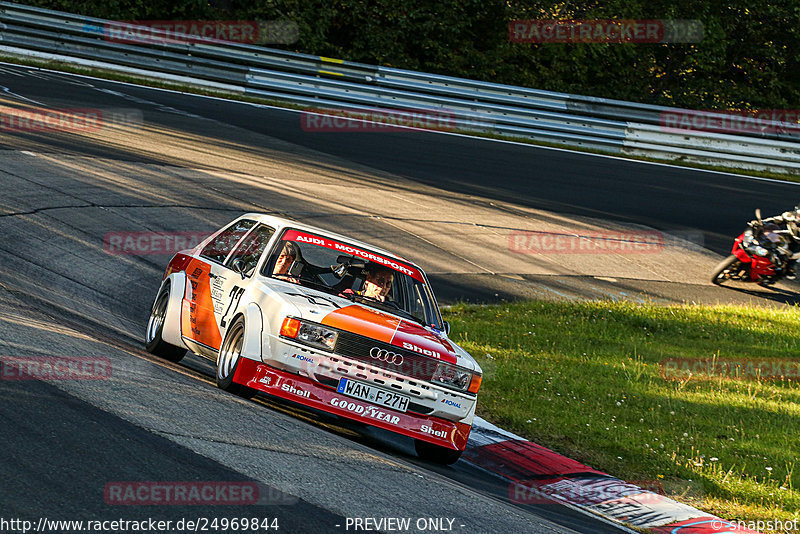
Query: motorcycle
[[762, 253]]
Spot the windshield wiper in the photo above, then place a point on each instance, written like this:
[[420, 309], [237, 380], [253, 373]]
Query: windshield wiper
[[314, 285], [312, 299]]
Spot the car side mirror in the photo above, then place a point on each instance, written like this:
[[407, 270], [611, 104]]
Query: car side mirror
[[239, 266], [447, 327]]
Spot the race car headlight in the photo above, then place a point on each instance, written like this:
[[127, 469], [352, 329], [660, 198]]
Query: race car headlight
[[760, 251], [452, 377], [309, 333]]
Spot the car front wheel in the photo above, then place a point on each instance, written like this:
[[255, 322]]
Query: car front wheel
[[230, 352]]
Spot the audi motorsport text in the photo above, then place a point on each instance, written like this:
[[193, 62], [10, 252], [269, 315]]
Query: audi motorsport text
[[322, 320]]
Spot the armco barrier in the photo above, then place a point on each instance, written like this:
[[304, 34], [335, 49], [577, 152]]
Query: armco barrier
[[319, 82]]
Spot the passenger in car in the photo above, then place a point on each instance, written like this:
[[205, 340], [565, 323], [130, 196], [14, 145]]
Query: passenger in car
[[378, 282], [287, 256]]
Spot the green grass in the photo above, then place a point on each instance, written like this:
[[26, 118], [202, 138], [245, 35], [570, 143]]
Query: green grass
[[585, 379]]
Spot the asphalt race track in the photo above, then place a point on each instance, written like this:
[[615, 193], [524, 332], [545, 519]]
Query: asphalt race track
[[191, 165]]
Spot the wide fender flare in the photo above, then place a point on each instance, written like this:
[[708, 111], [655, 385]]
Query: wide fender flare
[[171, 332], [253, 332]]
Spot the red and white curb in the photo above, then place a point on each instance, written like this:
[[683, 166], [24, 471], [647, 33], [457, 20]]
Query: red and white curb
[[541, 476]]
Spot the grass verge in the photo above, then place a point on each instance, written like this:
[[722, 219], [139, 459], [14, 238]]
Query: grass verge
[[587, 379]]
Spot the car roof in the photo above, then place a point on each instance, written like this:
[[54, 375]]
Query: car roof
[[279, 223]]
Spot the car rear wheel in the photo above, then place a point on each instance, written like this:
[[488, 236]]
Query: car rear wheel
[[154, 344], [230, 352], [435, 453]]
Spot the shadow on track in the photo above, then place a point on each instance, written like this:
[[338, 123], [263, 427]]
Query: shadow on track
[[772, 294]]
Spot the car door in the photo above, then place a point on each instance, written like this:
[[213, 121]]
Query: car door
[[208, 280], [232, 280]]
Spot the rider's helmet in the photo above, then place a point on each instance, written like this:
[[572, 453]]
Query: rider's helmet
[[770, 236]]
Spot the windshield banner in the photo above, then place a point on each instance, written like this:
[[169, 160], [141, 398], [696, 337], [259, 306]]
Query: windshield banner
[[301, 237]]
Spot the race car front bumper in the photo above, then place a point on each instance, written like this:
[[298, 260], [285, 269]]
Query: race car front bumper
[[267, 379]]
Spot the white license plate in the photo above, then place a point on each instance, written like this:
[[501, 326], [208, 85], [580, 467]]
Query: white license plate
[[381, 397]]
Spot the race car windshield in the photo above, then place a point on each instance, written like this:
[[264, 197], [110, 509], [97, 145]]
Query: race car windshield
[[370, 278]]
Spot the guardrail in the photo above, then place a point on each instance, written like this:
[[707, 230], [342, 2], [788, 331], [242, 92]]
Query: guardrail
[[319, 82]]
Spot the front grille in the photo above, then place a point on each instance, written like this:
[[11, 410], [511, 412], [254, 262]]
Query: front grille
[[358, 348]]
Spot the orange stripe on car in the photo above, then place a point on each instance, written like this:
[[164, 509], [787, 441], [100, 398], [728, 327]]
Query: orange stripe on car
[[358, 320], [202, 325]]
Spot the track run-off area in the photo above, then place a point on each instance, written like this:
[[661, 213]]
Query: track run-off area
[[480, 216]]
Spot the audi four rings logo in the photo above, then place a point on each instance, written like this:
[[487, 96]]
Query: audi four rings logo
[[386, 356]]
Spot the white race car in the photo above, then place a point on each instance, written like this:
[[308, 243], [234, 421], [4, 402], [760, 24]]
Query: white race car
[[326, 321]]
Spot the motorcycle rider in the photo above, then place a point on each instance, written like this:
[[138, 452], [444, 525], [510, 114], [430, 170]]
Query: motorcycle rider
[[786, 221]]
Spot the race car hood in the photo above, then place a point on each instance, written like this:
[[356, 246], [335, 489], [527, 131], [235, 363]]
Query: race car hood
[[343, 314]]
